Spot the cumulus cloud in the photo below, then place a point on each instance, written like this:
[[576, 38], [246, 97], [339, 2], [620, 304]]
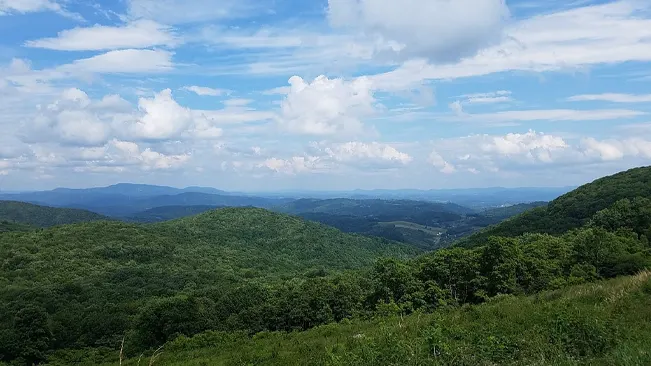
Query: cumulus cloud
[[326, 106], [293, 165], [119, 155], [138, 34], [373, 153], [533, 145], [517, 151], [437, 160], [162, 117], [75, 119], [68, 120], [439, 30]]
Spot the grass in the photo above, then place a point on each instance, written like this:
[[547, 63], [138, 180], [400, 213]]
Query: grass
[[604, 323]]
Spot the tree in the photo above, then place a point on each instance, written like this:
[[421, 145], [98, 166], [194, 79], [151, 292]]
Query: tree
[[32, 333]]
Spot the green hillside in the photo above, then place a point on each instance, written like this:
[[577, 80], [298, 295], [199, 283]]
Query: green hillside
[[43, 216], [6, 226], [510, 211], [573, 209], [605, 323], [89, 280], [165, 213]]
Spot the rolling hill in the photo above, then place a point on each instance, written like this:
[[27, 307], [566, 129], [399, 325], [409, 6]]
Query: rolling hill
[[571, 210], [92, 278], [42, 216]]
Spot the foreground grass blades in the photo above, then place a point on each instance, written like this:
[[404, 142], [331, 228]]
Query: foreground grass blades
[[603, 323]]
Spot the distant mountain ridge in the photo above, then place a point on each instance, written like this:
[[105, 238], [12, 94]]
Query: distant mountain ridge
[[122, 200]]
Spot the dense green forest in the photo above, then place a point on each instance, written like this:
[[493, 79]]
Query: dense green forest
[[604, 323], [166, 213], [42, 216], [6, 226], [89, 282], [573, 209], [232, 276]]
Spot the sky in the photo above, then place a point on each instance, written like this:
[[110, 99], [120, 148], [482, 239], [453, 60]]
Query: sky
[[262, 95]]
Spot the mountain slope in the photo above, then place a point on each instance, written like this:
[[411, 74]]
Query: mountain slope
[[42, 216], [165, 213], [573, 209], [93, 278]]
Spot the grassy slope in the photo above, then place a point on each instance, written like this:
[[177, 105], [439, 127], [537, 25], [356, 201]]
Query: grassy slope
[[603, 323], [43, 216], [573, 209]]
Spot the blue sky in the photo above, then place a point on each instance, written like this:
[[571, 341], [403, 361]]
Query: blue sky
[[330, 94]]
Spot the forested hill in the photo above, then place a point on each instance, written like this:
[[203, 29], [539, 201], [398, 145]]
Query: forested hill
[[42, 216], [165, 213], [91, 279], [573, 209]]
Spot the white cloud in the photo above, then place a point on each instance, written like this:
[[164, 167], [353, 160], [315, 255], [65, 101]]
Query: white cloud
[[292, 166], [27, 6], [437, 160], [148, 159], [610, 33], [518, 151], [532, 145], [607, 151], [128, 61], [181, 11], [163, 118], [499, 96], [612, 97], [439, 30], [326, 106], [238, 102], [546, 115], [124, 61], [138, 34], [205, 91], [69, 121], [366, 153]]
